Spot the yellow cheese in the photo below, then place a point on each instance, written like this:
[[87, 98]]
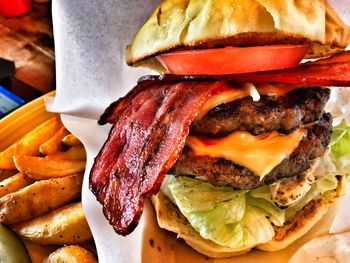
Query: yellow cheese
[[229, 93], [225, 95], [260, 154], [278, 89]]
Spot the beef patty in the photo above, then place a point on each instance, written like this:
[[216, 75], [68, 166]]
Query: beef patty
[[219, 171], [284, 113]]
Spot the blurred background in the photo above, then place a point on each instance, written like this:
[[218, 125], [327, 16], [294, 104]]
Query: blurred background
[[27, 57]]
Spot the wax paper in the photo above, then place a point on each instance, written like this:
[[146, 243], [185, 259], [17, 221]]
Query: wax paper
[[90, 40]]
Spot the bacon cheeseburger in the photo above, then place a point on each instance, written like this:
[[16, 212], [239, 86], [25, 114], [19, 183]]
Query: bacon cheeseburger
[[234, 146]]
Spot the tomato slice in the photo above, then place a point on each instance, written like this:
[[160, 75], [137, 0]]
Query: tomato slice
[[233, 60]]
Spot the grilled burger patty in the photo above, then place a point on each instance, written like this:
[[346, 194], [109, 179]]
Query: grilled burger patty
[[219, 171], [284, 113]]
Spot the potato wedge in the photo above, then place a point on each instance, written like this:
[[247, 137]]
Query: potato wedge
[[40, 168], [14, 183], [39, 198], [29, 144], [38, 253], [71, 140], [71, 254], [6, 156], [73, 153], [63, 226], [89, 245], [4, 174], [54, 144]]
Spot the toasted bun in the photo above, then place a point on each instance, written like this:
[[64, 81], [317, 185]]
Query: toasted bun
[[170, 218], [303, 221], [180, 24]]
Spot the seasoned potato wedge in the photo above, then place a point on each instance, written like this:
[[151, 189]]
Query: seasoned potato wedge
[[89, 245], [63, 226], [39, 208], [4, 174], [71, 254], [29, 144], [6, 156], [38, 253], [54, 144], [14, 183], [73, 153], [40, 168], [39, 198], [71, 140]]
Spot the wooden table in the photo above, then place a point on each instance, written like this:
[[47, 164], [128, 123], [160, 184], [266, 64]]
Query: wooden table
[[28, 41]]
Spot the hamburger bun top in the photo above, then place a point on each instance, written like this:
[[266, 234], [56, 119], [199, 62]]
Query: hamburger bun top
[[180, 24]]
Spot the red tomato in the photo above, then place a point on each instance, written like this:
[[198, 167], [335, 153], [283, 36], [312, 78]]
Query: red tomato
[[233, 60]]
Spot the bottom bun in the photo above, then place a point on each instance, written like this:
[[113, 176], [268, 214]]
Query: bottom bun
[[170, 218]]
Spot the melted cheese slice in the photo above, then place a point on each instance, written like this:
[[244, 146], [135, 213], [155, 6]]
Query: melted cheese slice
[[260, 154], [228, 93], [278, 89]]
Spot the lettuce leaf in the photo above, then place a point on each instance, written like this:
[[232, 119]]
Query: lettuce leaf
[[275, 214], [340, 141], [338, 162], [191, 192], [278, 215], [234, 218], [220, 214], [343, 165]]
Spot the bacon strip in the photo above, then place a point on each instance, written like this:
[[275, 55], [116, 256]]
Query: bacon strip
[[143, 144], [114, 110]]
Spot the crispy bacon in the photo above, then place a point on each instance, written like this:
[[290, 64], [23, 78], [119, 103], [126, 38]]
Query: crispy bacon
[[149, 133], [114, 110]]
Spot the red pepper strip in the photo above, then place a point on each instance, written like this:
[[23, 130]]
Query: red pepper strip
[[337, 58], [334, 74]]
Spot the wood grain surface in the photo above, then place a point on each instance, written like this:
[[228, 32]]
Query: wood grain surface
[[28, 40]]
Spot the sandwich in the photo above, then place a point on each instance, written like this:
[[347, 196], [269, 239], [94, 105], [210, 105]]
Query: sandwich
[[232, 142]]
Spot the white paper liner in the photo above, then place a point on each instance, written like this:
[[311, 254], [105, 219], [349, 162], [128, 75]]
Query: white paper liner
[[90, 40], [335, 248]]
